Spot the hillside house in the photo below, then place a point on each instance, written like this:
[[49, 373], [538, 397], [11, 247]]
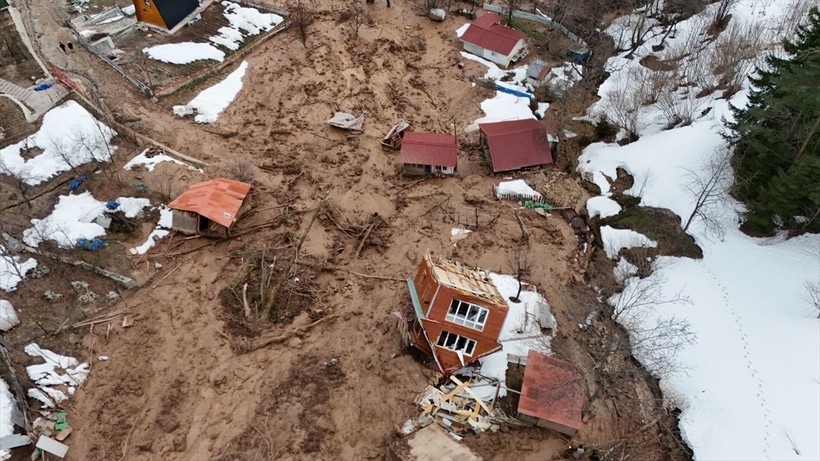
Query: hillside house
[[458, 313], [165, 14], [210, 208], [487, 38], [552, 394], [429, 153], [516, 144]]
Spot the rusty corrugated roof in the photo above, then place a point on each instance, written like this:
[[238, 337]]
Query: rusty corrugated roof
[[517, 144], [553, 390], [429, 149], [487, 32], [218, 200]]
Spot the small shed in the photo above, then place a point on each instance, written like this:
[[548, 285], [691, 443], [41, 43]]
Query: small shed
[[538, 73], [210, 208], [164, 14], [487, 38], [552, 394], [429, 153], [516, 144]]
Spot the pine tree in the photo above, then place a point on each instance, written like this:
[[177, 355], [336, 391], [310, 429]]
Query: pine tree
[[776, 157]]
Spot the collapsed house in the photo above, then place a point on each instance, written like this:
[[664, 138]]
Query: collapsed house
[[429, 153], [487, 38], [210, 208], [459, 313], [165, 14], [517, 144], [552, 394]]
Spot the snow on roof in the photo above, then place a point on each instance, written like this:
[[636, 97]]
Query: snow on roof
[[218, 200], [487, 33], [475, 282], [517, 144], [552, 390], [429, 149], [210, 102]]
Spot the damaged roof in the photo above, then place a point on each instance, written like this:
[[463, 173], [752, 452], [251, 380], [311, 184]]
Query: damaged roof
[[429, 149], [474, 282], [553, 390], [488, 33], [218, 200], [517, 144]]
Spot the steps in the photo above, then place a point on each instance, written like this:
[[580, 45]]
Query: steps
[[15, 91]]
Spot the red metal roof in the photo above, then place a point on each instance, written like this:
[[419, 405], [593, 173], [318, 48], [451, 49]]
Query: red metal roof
[[553, 390], [487, 33], [429, 149], [517, 144], [218, 200]]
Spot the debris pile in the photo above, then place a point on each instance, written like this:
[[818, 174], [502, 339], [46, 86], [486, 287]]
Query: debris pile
[[455, 407]]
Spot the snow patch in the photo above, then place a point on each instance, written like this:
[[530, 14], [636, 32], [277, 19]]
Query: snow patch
[[149, 163], [603, 207], [6, 405], [73, 218], [57, 374], [212, 101], [8, 317], [616, 240], [184, 52], [13, 269], [516, 187], [69, 137], [243, 19]]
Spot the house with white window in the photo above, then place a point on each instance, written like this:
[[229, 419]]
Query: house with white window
[[458, 313]]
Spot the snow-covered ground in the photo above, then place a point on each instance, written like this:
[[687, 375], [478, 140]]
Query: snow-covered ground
[[184, 52], [69, 137], [616, 240], [149, 163], [209, 103], [243, 22], [520, 333], [6, 426], [13, 269], [57, 378], [73, 218], [749, 386]]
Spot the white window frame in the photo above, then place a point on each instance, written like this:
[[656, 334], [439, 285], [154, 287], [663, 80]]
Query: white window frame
[[477, 323], [450, 341]]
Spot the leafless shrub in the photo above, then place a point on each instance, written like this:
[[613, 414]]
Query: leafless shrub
[[710, 189], [354, 17], [813, 294], [303, 17], [735, 54], [521, 265], [241, 168], [678, 106], [626, 99], [724, 7], [795, 15], [20, 177]]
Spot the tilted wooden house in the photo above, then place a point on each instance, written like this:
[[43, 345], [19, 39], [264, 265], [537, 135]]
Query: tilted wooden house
[[165, 14], [210, 208], [459, 313]]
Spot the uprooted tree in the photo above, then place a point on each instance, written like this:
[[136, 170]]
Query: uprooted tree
[[521, 265]]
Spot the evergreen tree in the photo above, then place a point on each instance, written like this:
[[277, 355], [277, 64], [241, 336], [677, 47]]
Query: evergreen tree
[[776, 157]]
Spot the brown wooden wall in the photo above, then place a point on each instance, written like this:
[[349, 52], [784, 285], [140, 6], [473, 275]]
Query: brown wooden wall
[[441, 304], [149, 13]]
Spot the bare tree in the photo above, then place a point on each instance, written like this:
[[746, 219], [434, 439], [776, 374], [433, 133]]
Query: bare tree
[[303, 18], [641, 293], [240, 168], [813, 294], [355, 16], [626, 100], [510, 6], [722, 13], [709, 188], [21, 178], [521, 265], [64, 150]]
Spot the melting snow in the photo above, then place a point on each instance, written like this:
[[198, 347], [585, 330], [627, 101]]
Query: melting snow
[[184, 52], [8, 317], [13, 269], [69, 137], [57, 370], [73, 218], [603, 207], [6, 426], [212, 101], [616, 240]]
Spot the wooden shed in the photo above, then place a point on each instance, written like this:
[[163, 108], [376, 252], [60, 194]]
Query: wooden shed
[[210, 208], [165, 14], [458, 313]]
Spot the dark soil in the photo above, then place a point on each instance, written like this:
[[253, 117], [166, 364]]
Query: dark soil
[[660, 225]]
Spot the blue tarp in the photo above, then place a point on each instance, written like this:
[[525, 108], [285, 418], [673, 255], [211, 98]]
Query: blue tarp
[[511, 91], [42, 86]]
